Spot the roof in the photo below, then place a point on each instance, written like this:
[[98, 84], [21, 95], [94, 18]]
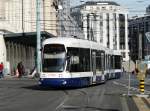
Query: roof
[[97, 3], [26, 38], [101, 2]]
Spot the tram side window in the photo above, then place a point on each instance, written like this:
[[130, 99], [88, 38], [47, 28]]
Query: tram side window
[[109, 61], [103, 60], [117, 62], [71, 53], [106, 60], [83, 62], [112, 65], [98, 61], [112, 62]]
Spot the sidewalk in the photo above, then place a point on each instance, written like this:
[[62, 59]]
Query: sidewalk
[[135, 103], [13, 77]]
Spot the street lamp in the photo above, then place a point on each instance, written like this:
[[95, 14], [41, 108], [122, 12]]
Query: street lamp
[[38, 29]]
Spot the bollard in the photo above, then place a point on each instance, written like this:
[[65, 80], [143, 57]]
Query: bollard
[[142, 86]]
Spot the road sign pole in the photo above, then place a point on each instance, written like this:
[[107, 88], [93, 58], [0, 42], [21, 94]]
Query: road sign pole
[[129, 67], [129, 82]]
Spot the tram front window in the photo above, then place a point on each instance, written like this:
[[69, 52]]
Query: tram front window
[[54, 58]]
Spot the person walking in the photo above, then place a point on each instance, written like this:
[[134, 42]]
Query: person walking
[[1, 70], [20, 68]]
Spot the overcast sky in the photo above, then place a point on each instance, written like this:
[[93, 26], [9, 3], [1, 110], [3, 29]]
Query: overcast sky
[[135, 7]]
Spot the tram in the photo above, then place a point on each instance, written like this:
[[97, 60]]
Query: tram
[[72, 62]]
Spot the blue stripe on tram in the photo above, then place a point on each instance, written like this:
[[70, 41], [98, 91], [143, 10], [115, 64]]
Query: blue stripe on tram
[[65, 82]]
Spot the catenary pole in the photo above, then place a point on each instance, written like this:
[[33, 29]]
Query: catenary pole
[[38, 29]]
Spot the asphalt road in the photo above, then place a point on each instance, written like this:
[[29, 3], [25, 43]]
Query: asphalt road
[[25, 95]]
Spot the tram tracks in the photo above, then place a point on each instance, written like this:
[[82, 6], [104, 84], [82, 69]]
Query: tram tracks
[[70, 96], [71, 103], [59, 107]]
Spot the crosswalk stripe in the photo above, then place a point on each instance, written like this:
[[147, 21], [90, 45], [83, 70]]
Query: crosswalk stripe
[[140, 104]]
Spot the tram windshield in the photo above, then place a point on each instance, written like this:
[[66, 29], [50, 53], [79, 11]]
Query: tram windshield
[[53, 58]]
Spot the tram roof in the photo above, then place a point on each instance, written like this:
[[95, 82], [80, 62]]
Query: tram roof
[[28, 38], [73, 42]]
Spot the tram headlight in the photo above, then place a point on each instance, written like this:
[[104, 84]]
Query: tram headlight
[[64, 82]]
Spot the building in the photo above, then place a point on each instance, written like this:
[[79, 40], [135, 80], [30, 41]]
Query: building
[[148, 10], [17, 16], [139, 44], [66, 25], [105, 22], [18, 21]]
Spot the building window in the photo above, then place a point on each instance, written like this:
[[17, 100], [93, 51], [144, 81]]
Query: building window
[[108, 28], [97, 8], [122, 30], [2, 12], [91, 8], [123, 54], [103, 8], [101, 17]]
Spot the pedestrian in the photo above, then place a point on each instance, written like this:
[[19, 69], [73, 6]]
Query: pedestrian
[[20, 68], [1, 70], [14, 69]]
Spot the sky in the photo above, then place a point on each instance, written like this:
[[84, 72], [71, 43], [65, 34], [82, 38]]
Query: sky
[[135, 7]]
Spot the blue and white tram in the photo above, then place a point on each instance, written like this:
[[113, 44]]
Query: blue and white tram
[[113, 61], [71, 62]]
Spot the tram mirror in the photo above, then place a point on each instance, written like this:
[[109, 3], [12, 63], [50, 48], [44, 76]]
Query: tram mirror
[[74, 60]]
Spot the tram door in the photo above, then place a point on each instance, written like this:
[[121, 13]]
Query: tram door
[[94, 65]]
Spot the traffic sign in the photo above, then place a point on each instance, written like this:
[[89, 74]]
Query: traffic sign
[[129, 66]]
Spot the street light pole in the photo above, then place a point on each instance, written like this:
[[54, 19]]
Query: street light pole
[[38, 29], [23, 16], [140, 46]]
